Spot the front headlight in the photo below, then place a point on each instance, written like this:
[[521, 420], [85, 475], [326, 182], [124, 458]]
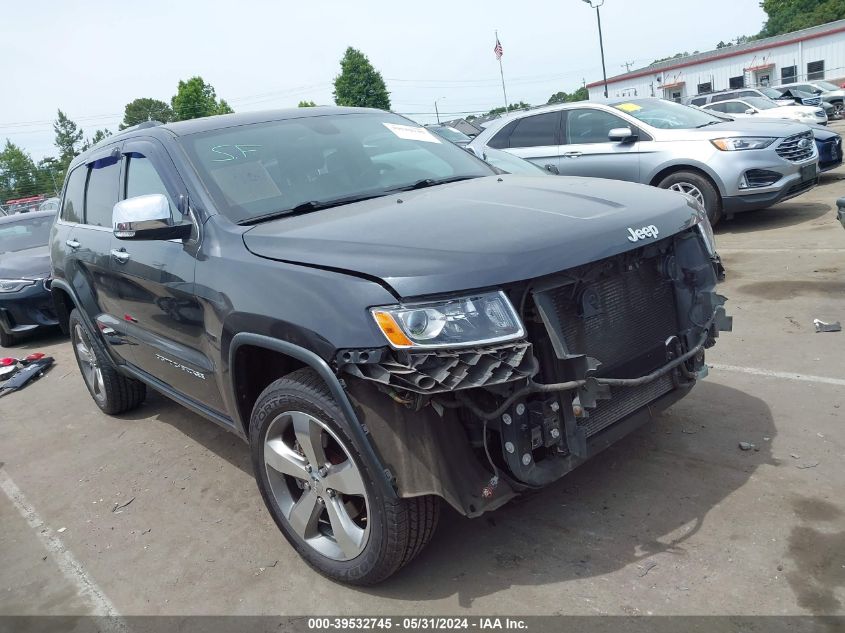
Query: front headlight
[[473, 320], [13, 285], [737, 143]]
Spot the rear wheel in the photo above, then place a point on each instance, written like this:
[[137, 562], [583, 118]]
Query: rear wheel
[[113, 392], [838, 107], [320, 492], [699, 187]]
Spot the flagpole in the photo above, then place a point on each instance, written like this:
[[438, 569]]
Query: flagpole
[[502, 73]]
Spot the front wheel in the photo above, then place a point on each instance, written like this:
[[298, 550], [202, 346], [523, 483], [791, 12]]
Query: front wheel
[[320, 492], [6, 339], [700, 188]]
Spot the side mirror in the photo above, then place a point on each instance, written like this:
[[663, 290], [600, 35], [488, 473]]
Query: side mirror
[[146, 218], [751, 111], [621, 135]]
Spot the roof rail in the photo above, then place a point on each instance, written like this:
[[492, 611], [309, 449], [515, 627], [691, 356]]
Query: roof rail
[[133, 128]]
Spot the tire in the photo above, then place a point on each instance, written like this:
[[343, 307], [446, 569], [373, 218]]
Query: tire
[[113, 392], [695, 183], [6, 339], [380, 535]]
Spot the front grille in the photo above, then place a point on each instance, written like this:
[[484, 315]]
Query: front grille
[[801, 187], [793, 149], [812, 101], [631, 314]]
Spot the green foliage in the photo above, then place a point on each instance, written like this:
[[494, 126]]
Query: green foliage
[[582, 94], [359, 84], [675, 56], [18, 174], [307, 104], [141, 110], [514, 106], [68, 136], [99, 135], [195, 98], [785, 16], [50, 176]]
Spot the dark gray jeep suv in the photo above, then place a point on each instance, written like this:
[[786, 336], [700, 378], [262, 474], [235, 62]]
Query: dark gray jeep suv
[[385, 319]]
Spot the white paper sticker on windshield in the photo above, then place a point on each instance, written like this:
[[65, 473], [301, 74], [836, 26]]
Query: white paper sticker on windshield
[[412, 133]]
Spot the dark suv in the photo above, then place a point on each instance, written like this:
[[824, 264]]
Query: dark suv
[[385, 319]]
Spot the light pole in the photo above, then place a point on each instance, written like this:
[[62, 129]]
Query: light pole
[[436, 111], [601, 41]]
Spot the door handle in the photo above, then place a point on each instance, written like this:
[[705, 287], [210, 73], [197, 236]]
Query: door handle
[[120, 256], [72, 244], [571, 154]]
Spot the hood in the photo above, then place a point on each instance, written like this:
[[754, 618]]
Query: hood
[[778, 128], [476, 233], [32, 263]]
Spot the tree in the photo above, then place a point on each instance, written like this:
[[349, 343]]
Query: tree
[[99, 135], [514, 106], [359, 84], [144, 109], [68, 136], [195, 98], [50, 175], [582, 94], [18, 174], [307, 104], [785, 16]]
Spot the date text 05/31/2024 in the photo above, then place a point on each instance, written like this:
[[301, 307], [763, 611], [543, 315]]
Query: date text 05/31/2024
[[417, 623]]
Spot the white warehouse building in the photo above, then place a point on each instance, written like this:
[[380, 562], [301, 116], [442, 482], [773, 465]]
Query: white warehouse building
[[810, 54]]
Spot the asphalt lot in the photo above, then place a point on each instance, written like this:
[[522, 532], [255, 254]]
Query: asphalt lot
[[674, 519]]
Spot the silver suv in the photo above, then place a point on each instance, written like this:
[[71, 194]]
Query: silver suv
[[727, 166]]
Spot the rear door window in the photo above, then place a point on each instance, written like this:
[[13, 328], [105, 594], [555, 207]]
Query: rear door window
[[538, 130], [101, 192], [501, 140], [74, 199], [736, 107]]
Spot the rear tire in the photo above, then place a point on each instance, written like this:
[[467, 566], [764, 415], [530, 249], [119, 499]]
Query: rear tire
[[6, 339], [113, 392], [351, 532], [699, 187]]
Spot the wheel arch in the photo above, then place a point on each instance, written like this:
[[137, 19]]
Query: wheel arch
[[702, 170], [64, 301], [293, 357]]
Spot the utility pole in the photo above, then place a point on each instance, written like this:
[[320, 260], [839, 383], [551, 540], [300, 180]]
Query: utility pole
[[436, 111], [596, 6], [627, 66]]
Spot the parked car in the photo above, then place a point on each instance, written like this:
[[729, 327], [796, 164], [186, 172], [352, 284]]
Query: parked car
[[511, 164], [728, 166], [763, 107], [799, 97], [831, 93], [25, 301], [450, 134], [383, 317], [740, 93]]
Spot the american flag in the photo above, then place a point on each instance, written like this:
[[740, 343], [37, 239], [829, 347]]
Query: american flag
[[498, 48]]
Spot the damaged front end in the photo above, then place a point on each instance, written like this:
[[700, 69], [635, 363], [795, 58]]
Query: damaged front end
[[601, 348]]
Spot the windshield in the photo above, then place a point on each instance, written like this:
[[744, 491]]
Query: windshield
[[262, 169], [771, 93], [826, 85], [451, 134], [760, 103], [512, 164], [25, 233], [666, 115]]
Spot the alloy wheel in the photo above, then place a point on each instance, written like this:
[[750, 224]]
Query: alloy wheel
[[91, 371], [690, 190], [317, 485]]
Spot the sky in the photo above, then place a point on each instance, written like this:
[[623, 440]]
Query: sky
[[91, 58]]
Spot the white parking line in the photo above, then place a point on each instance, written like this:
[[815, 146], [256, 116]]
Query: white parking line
[[779, 374], [780, 250], [70, 567]]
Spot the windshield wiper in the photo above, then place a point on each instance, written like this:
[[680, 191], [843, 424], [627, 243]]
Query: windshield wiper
[[431, 182], [709, 123], [311, 205]]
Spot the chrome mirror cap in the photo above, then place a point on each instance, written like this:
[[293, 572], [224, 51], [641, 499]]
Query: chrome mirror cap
[[151, 211]]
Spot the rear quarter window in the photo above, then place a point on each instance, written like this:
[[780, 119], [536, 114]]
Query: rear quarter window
[[74, 195]]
